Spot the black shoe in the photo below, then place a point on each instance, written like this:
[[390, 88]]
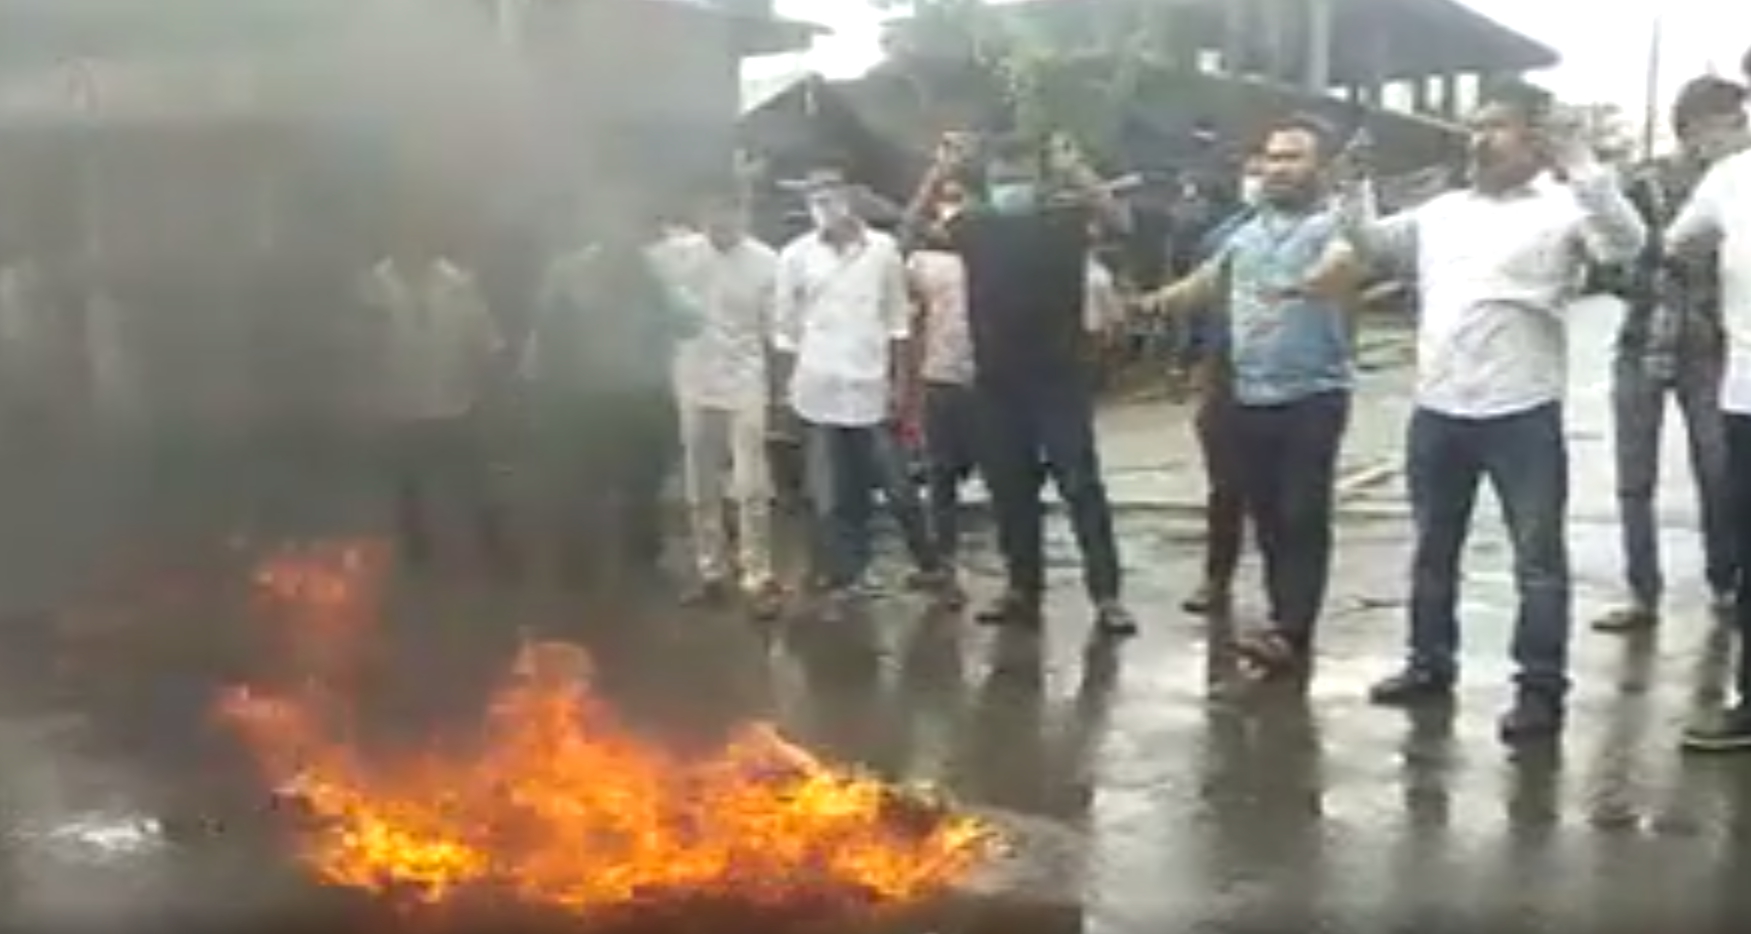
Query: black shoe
[[1209, 598], [1412, 687], [1731, 733], [1013, 608], [1112, 620], [1534, 717], [1625, 619]]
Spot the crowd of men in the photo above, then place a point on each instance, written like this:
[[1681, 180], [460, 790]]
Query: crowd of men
[[968, 330]]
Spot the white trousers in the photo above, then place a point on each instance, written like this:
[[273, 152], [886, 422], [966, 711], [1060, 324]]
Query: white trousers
[[719, 445]]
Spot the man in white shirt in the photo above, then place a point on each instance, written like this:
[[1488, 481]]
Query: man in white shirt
[[438, 349], [1718, 217], [1497, 265], [841, 311], [721, 387]]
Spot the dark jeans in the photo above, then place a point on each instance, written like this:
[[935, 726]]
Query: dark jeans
[[1287, 459], [1525, 458], [1224, 506], [951, 421], [846, 466], [1028, 432], [1738, 435], [1639, 406], [436, 468]]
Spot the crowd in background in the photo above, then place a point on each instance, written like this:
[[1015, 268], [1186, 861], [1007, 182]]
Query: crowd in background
[[856, 364]]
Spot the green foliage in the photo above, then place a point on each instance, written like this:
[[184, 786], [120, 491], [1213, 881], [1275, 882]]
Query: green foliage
[[1072, 71]]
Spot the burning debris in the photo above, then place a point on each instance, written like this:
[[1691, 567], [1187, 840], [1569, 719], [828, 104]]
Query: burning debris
[[557, 806]]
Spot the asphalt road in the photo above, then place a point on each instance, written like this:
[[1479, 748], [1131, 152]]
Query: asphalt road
[[1147, 794]]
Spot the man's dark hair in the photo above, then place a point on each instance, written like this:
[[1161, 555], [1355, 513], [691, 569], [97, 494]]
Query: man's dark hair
[[1530, 103], [1324, 136], [831, 166], [1704, 97]]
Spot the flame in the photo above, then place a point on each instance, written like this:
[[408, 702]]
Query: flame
[[559, 805]]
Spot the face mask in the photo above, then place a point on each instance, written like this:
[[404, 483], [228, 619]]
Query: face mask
[[829, 210], [1251, 190], [1014, 197]]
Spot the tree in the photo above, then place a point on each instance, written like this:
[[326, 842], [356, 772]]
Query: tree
[[1046, 85]]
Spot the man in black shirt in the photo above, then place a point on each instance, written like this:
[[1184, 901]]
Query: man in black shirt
[[1026, 252]]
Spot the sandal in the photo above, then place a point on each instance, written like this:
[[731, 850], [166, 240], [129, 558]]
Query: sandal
[[1266, 656]]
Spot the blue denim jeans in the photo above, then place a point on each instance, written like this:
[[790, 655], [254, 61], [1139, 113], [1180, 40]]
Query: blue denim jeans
[[1738, 435], [1525, 459], [846, 466], [1639, 410]]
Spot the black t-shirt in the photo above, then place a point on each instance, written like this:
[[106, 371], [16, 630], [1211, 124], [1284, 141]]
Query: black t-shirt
[[1026, 285]]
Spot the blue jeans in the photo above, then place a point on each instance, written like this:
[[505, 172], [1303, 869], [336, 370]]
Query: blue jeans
[[1639, 409], [845, 467], [1525, 458], [1738, 435]]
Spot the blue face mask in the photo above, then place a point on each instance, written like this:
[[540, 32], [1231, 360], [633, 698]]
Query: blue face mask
[[1014, 197]]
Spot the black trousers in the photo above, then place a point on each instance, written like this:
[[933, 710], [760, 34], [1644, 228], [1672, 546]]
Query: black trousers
[[1739, 474], [1287, 457], [1224, 504], [1029, 432], [951, 425]]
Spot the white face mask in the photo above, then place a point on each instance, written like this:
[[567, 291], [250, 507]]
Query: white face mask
[[1251, 188], [829, 210]]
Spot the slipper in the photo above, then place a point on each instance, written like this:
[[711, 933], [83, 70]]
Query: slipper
[[1267, 656]]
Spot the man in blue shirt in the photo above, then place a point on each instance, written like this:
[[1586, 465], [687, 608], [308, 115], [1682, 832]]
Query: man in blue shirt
[[1290, 362]]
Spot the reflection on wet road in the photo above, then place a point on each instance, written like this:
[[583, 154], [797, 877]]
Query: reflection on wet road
[[1146, 792]]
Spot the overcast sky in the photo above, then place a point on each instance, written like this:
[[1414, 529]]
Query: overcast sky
[[1604, 53]]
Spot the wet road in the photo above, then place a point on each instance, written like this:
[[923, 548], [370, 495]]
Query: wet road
[[1147, 793]]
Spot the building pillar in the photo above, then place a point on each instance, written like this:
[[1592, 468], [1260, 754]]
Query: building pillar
[[1450, 95], [1378, 56], [1317, 77], [1234, 24], [1420, 88], [1277, 24]]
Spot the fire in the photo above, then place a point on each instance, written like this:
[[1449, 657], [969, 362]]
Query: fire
[[557, 804]]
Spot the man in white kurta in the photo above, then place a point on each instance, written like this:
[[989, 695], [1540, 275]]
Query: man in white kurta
[[722, 389]]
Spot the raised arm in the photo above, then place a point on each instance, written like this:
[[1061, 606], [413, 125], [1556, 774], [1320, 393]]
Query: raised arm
[[1386, 240], [1612, 230], [1199, 289]]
